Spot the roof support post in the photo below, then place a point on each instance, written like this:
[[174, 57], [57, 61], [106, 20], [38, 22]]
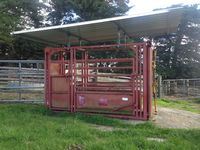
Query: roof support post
[[125, 36], [68, 40], [80, 42], [68, 44], [119, 36], [122, 29]]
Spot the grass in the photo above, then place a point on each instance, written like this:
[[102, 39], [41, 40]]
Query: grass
[[33, 127], [24, 96], [192, 105]]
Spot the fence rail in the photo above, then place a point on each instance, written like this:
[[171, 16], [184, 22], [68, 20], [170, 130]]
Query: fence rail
[[21, 80], [181, 87]]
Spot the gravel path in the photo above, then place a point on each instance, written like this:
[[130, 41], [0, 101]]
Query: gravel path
[[174, 118]]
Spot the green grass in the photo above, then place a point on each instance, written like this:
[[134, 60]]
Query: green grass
[[192, 105], [32, 127], [25, 96]]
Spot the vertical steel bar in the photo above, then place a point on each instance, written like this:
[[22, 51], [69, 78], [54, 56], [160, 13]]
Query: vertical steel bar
[[149, 79], [84, 69], [75, 80], [62, 66], [71, 80], [37, 66], [49, 89], [145, 82], [68, 80], [140, 81], [20, 80], [46, 79], [87, 68], [81, 71], [50, 81], [133, 86], [136, 83]]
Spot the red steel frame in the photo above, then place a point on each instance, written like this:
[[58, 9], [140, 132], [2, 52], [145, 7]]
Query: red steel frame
[[70, 85]]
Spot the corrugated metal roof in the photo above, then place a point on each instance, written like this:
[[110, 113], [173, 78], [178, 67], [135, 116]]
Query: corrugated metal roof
[[149, 24]]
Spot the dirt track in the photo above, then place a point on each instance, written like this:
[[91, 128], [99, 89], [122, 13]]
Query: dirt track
[[174, 118]]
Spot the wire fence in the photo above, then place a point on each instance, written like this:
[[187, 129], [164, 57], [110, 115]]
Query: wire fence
[[22, 80], [181, 87]]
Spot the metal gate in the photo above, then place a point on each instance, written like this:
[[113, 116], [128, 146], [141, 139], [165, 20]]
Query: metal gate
[[114, 80]]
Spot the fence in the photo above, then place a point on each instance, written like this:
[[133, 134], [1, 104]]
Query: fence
[[181, 87], [21, 80]]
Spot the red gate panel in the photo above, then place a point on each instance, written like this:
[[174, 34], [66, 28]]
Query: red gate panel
[[115, 80], [57, 86]]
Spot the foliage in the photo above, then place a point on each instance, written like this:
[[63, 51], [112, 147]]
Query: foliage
[[25, 49], [8, 20], [34, 127], [21, 14], [179, 54], [67, 11], [17, 15]]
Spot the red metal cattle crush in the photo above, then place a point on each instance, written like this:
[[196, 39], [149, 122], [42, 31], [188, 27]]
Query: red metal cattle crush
[[114, 80]]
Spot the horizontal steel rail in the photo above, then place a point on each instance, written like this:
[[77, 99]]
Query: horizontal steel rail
[[19, 77], [21, 61], [72, 83]]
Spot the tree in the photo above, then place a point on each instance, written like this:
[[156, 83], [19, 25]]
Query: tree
[[8, 20], [17, 15], [67, 11], [179, 54], [21, 14]]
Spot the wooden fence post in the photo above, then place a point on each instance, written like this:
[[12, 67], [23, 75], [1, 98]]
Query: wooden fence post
[[160, 86], [187, 87], [175, 87]]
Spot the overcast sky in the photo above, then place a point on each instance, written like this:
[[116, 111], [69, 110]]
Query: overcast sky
[[141, 6]]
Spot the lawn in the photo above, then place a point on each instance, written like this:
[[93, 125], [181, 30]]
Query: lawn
[[27, 127], [192, 105]]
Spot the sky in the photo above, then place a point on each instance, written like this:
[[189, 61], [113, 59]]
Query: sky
[[141, 6]]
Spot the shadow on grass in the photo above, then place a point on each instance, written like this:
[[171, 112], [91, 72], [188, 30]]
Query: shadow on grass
[[39, 109], [196, 100], [95, 119]]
